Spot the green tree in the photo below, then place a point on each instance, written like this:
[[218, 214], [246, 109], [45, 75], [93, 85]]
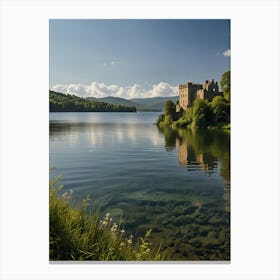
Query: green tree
[[170, 108], [202, 113], [220, 109], [225, 84]]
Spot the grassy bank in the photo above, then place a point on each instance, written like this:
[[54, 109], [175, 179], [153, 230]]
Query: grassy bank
[[76, 235]]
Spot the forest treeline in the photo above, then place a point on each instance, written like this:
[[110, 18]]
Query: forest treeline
[[60, 102]]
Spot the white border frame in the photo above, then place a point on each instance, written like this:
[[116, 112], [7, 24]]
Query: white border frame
[[255, 138]]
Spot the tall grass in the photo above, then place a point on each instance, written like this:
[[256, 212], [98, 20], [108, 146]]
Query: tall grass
[[76, 235]]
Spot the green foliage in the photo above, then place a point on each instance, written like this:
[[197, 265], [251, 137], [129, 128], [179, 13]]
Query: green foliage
[[75, 235], [185, 119], [216, 100], [189, 115], [144, 248], [181, 123], [160, 119], [60, 102], [169, 108], [164, 120], [170, 115], [168, 119], [225, 84], [221, 110], [202, 115], [170, 111]]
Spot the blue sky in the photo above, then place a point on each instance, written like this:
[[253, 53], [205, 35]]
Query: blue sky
[[136, 58]]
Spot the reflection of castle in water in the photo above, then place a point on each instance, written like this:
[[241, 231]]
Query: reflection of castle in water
[[191, 160], [188, 158], [202, 150]]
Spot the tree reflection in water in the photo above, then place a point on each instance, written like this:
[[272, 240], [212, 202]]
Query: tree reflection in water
[[203, 149]]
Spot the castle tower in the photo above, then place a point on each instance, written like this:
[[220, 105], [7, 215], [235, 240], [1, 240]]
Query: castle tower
[[190, 91], [187, 94]]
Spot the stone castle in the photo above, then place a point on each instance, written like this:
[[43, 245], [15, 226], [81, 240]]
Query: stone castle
[[190, 91]]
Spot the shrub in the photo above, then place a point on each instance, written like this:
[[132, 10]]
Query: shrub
[[221, 110], [202, 115], [160, 119]]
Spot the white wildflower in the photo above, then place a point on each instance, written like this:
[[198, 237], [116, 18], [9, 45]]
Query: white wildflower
[[114, 227]]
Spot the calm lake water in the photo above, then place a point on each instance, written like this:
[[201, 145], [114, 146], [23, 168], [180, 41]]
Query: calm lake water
[[176, 182]]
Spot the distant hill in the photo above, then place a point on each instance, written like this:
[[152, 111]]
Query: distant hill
[[154, 100], [141, 104], [154, 103]]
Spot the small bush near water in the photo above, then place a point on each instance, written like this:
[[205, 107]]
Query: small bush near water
[[76, 235]]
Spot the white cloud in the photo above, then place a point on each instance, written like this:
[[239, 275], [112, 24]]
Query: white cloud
[[227, 52], [111, 63], [114, 62], [99, 90]]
